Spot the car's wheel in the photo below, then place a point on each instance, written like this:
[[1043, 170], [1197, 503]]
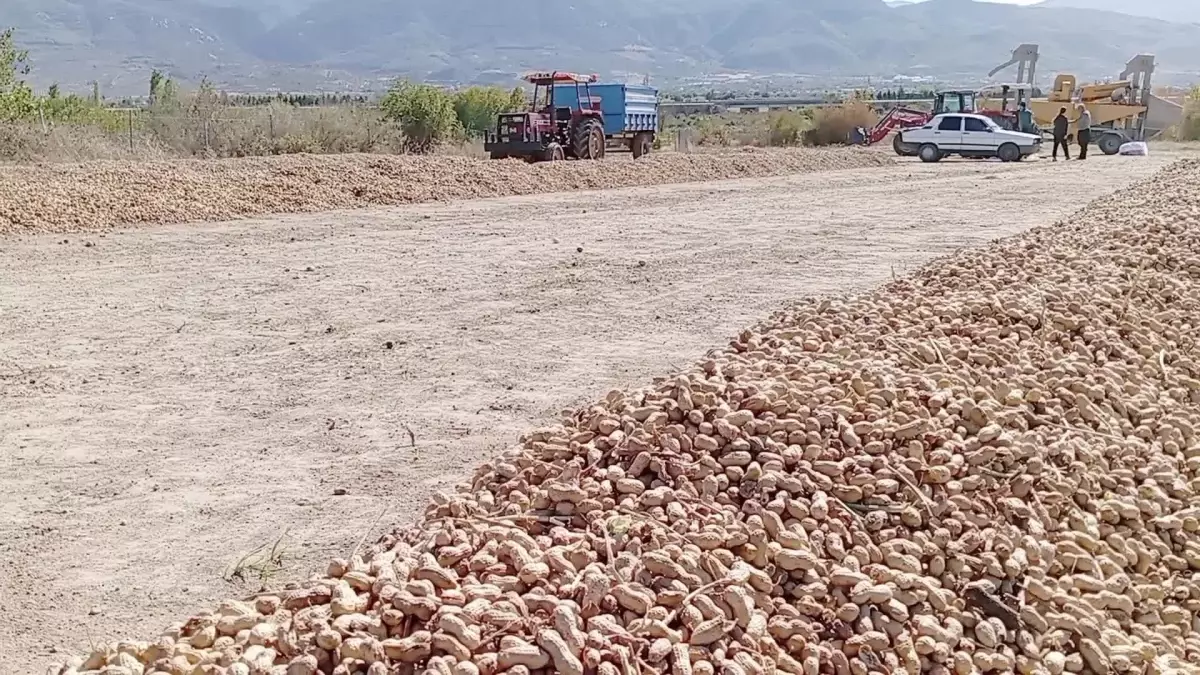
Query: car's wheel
[[1110, 144], [1009, 152], [929, 153]]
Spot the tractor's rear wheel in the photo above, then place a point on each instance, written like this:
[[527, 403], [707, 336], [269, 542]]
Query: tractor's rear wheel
[[589, 140]]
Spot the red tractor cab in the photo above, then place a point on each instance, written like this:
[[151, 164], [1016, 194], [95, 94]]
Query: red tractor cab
[[953, 102], [551, 129]]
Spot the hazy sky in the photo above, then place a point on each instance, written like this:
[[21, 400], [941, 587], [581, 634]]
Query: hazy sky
[[1007, 2]]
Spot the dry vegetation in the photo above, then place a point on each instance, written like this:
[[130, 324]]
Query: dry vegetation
[[221, 132], [834, 125], [99, 195], [990, 467], [830, 125], [1189, 128], [215, 130]]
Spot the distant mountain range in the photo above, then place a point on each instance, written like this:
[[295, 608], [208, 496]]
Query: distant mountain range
[[1180, 11], [290, 44]]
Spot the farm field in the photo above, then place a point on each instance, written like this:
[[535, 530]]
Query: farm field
[[176, 396]]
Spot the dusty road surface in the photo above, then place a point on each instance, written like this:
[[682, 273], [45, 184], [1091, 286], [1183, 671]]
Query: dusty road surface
[[175, 397]]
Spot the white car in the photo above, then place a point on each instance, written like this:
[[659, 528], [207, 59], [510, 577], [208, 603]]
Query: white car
[[969, 135]]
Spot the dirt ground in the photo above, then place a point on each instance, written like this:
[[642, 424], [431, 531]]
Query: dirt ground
[[97, 196], [176, 396]]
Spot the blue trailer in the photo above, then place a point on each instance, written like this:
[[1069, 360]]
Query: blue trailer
[[572, 117], [629, 112]]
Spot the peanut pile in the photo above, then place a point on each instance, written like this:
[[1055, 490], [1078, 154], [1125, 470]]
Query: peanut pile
[[101, 195], [990, 467]]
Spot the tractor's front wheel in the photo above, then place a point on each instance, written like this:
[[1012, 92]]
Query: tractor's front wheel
[[589, 140], [553, 153]]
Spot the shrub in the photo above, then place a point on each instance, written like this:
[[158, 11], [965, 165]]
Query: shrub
[[425, 114], [713, 130], [834, 125], [787, 127], [477, 107]]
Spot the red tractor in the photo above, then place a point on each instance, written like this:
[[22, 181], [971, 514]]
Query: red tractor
[[551, 130], [902, 117]]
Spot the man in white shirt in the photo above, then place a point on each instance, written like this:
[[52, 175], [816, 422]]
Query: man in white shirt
[[1084, 136]]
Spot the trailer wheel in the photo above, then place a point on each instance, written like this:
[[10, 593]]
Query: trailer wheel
[[642, 143], [589, 140], [1110, 143]]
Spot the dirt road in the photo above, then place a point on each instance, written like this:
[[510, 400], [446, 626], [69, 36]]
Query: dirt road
[[174, 397]]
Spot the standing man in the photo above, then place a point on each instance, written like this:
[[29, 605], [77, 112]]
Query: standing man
[[1085, 130], [1025, 120], [1060, 135]]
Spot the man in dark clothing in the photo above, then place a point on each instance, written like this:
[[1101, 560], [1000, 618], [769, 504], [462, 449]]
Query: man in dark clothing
[[1060, 135]]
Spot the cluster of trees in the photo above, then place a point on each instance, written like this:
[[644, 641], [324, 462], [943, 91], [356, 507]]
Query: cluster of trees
[[429, 115], [902, 94], [297, 100]]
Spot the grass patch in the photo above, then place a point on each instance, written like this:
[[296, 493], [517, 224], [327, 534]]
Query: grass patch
[[262, 564]]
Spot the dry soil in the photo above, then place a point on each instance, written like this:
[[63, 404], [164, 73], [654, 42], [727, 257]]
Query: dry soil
[[95, 196], [174, 397]]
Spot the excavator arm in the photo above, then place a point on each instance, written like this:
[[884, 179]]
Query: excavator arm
[[896, 118]]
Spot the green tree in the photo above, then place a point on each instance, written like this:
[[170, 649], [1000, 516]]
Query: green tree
[[424, 112], [52, 93], [14, 63], [156, 81], [518, 99], [477, 107], [16, 98]]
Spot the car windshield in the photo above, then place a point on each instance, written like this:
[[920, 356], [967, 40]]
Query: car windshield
[[991, 123]]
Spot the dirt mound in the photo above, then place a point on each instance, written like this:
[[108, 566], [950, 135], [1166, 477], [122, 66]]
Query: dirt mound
[[99, 195], [991, 467]]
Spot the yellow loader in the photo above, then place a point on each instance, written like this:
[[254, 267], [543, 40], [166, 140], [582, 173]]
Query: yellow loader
[[1122, 111]]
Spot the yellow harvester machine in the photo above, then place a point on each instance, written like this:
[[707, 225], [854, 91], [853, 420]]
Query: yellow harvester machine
[[1122, 111]]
